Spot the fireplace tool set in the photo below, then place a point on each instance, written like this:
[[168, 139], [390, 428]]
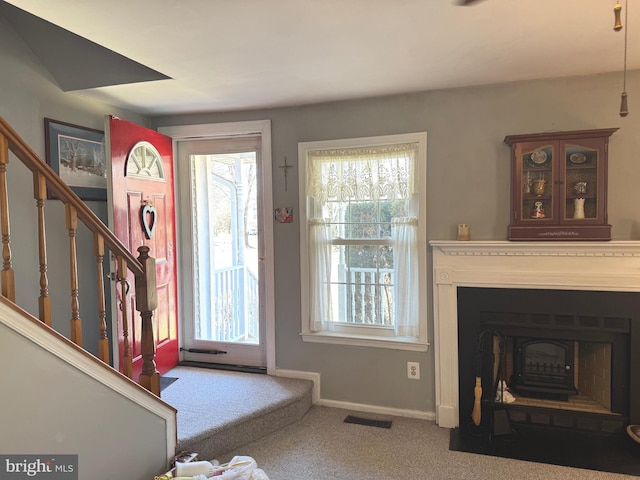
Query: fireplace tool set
[[491, 348]]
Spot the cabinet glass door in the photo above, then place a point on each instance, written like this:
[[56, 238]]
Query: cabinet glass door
[[559, 185], [581, 183], [537, 183]]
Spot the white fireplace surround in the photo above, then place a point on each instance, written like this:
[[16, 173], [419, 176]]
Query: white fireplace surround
[[598, 266]]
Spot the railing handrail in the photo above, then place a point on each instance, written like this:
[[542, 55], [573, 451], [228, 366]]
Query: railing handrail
[[229, 269], [369, 269], [32, 161], [143, 267]]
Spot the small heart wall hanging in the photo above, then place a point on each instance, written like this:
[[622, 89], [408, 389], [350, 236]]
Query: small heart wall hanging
[[148, 216]]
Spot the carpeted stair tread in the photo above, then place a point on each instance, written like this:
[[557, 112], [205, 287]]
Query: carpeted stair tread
[[221, 410]]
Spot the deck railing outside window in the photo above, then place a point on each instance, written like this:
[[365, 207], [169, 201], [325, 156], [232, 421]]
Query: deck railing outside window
[[234, 305]]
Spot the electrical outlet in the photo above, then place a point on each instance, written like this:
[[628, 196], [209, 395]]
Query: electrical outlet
[[413, 370]]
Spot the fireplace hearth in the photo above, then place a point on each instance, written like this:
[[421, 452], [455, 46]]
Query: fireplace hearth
[[614, 453]]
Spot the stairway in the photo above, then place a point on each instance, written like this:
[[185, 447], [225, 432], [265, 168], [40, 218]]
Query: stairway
[[220, 410]]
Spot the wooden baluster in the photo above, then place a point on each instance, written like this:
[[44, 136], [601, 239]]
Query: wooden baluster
[[103, 341], [7, 277], [72, 226], [127, 362], [44, 301], [146, 303]]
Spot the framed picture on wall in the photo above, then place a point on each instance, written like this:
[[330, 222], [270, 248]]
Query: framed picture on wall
[[77, 155]]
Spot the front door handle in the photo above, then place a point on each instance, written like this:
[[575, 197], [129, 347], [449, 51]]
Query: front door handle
[[114, 278]]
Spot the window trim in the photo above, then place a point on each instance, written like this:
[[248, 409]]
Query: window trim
[[341, 337]]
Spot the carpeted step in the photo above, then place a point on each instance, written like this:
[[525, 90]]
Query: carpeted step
[[219, 411]]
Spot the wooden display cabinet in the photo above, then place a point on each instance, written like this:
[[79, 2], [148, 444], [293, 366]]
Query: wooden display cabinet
[[559, 185]]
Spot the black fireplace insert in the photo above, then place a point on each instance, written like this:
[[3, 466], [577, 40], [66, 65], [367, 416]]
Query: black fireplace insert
[[571, 332]]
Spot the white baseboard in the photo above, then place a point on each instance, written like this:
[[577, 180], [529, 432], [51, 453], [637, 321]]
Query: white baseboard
[[361, 407], [358, 407]]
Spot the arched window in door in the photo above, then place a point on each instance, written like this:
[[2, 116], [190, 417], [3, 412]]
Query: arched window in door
[[144, 161]]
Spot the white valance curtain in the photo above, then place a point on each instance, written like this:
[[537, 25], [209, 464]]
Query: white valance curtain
[[375, 173], [365, 173]]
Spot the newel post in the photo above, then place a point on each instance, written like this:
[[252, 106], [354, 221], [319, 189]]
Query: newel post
[[146, 303]]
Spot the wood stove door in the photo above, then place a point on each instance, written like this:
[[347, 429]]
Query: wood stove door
[[543, 368]]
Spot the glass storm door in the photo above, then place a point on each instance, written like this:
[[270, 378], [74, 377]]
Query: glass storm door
[[225, 226]]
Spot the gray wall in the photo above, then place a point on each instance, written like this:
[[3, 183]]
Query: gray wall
[[73, 413], [28, 95], [468, 182], [50, 407]]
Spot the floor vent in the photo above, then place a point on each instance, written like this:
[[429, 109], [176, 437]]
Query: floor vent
[[367, 421]]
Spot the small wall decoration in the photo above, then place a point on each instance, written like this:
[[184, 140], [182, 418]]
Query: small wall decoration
[[464, 231], [284, 215], [148, 216], [285, 166], [77, 155]]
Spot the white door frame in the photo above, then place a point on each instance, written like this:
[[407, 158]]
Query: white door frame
[[221, 130]]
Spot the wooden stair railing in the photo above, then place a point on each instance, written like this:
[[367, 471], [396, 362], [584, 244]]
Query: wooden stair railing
[[142, 267]]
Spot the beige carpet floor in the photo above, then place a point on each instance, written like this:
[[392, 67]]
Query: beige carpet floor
[[322, 447]]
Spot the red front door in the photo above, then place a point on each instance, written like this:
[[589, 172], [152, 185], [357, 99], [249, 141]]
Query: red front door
[[144, 214]]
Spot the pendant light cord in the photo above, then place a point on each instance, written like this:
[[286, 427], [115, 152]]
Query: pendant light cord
[[624, 109], [626, 29]]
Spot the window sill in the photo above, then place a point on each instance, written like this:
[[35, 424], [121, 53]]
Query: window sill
[[394, 343]]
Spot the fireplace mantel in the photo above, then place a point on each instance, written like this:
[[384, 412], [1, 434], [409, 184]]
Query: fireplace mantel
[[598, 266]]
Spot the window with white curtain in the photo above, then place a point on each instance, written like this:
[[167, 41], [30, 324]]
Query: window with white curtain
[[363, 241]]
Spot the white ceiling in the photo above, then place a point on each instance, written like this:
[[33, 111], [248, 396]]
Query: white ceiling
[[226, 55]]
